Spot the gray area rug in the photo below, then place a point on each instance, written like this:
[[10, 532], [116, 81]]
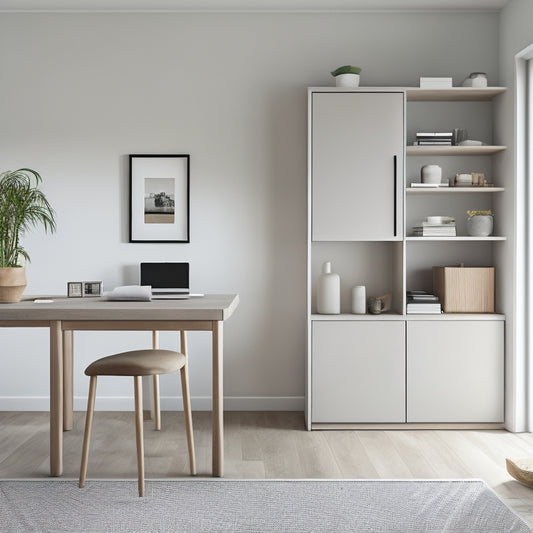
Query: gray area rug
[[214, 505]]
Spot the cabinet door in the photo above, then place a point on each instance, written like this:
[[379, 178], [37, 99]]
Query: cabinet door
[[357, 166], [455, 371], [358, 371]]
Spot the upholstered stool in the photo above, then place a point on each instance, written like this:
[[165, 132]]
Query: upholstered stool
[[138, 363]]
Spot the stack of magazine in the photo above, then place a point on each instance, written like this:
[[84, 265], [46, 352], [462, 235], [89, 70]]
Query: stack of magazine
[[421, 302], [434, 139], [430, 228]]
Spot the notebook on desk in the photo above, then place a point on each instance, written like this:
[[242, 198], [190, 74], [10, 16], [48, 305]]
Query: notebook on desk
[[169, 281]]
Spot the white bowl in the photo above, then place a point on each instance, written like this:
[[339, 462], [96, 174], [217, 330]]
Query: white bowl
[[347, 80]]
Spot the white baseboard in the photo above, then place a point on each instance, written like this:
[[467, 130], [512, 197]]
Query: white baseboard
[[168, 403]]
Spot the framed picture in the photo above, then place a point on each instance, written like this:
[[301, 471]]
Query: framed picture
[[82, 289], [92, 288], [159, 198], [75, 289]]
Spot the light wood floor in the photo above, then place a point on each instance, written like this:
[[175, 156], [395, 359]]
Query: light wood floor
[[269, 445]]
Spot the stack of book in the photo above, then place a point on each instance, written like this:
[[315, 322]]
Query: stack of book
[[420, 302], [432, 82], [434, 139], [430, 228]]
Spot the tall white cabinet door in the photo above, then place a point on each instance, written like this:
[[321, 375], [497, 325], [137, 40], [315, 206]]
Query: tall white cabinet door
[[357, 165], [455, 371], [358, 371]]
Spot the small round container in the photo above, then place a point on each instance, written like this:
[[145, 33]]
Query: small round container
[[431, 174], [347, 80]]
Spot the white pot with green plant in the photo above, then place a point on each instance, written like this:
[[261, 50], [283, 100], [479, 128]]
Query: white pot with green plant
[[347, 76], [22, 206]]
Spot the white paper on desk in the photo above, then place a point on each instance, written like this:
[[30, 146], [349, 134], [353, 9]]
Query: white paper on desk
[[142, 293]]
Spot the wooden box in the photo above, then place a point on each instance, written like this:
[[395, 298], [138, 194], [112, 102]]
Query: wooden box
[[464, 289]]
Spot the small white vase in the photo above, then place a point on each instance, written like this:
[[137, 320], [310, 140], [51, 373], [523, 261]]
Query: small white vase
[[359, 300], [479, 225], [328, 292]]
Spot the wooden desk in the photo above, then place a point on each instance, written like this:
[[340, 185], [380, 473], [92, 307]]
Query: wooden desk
[[65, 315]]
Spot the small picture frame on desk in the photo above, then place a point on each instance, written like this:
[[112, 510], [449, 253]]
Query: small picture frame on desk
[[75, 289], [159, 198], [92, 288], [84, 289]]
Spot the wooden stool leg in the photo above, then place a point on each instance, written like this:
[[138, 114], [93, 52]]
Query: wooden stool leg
[[157, 403], [187, 404], [87, 434], [137, 383]]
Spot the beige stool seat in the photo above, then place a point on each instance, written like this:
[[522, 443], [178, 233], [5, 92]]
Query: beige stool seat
[[139, 363]]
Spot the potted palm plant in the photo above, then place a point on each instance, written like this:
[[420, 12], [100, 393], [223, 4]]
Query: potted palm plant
[[22, 206]]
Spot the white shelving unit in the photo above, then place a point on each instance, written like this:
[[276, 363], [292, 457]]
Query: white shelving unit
[[347, 359]]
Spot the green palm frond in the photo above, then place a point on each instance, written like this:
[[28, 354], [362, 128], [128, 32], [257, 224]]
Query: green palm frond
[[22, 206]]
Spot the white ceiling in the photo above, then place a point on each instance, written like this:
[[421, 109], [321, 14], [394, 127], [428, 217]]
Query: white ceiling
[[247, 5]]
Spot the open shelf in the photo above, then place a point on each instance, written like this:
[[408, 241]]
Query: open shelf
[[352, 317], [411, 316], [458, 238], [454, 150], [457, 94], [456, 190]]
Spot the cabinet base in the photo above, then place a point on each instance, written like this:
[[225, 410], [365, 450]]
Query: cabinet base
[[451, 425]]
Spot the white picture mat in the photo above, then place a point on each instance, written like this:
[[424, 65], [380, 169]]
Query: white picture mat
[[159, 167]]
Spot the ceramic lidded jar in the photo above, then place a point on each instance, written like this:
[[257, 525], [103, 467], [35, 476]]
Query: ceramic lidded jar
[[480, 225]]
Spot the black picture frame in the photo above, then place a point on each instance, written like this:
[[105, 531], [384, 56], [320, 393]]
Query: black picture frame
[[159, 198]]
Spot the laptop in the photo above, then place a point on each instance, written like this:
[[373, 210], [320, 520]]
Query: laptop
[[169, 281]]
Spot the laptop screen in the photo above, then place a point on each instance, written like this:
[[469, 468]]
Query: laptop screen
[[166, 276]]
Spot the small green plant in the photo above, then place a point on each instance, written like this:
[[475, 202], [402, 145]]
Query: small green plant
[[488, 212], [346, 69], [22, 206]]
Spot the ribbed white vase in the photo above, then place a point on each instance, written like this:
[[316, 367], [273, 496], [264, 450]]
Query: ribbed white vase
[[328, 292]]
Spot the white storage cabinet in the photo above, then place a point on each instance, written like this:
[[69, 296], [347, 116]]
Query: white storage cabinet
[[357, 165], [358, 371], [455, 371]]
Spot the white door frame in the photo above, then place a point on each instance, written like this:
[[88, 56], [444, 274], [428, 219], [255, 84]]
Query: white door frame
[[523, 311]]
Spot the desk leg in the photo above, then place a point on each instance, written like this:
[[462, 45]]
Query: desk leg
[[68, 378], [218, 401], [56, 399]]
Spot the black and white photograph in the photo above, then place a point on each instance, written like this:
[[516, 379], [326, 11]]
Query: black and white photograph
[[159, 204]]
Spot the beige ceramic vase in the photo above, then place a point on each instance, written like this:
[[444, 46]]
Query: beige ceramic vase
[[12, 284]]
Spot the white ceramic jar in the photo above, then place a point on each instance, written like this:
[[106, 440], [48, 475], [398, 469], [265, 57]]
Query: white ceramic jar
[[431, 174], [328, 292]]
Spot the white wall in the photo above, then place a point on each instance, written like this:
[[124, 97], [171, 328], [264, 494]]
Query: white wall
[[81, 91], [516, 33]]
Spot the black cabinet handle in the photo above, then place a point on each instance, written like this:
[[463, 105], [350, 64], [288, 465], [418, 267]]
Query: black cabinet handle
[[395, 194]]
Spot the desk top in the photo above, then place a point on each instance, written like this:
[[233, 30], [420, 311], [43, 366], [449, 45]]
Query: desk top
[[209, 307]]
